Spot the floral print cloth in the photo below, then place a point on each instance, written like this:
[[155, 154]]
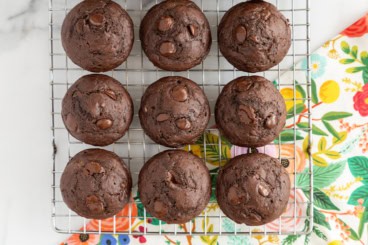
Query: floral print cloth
[[340, 163]]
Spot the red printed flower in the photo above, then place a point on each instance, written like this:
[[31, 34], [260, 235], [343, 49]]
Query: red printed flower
[[357, 29], [361, 101]]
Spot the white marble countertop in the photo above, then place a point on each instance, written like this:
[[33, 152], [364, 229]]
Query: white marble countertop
[[25, 146]]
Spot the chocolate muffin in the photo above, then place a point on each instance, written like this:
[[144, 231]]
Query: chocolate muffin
[[175, 35], [250, 111], [174, 111], [97, 110], [253, 189], [254, 36], [174, 186], [97, 35], [96, 184]]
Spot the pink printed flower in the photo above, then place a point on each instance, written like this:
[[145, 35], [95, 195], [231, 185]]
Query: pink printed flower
[[361, 101], [357, 29]]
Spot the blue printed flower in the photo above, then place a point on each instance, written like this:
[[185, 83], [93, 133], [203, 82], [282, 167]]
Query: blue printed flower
[[124, 240], [108, 240], [318, 65]]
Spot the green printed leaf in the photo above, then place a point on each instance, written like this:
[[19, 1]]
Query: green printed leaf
[[320, 219], [335, 115], [364, 57], [301, 90], [319, 233], [298, 109], [331, 129], [342, 138], [322, 143], [321, 200], [355, 69], [354, 52], [363, 220], [314, 92], [359, 167], [288, 135], [325, 176], [365, 76], [359, 193], [315, 130], [347, 61], [290, 240], [303, 179], [345, 47], [353, 235], [319, 161]]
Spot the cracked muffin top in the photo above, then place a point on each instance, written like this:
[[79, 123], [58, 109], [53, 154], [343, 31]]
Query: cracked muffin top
[[175, 35], [253, 189], [97, 35], [97, 110], [254, 36], [96, 184], [174, 111], [174, 186]]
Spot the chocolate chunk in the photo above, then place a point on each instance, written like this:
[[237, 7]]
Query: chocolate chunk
[[271, 121], [167, 48], [183, 123], [241, 34], [94, 204], [179, 93], [165, 23], [96, 19], [104, 123], [193, 30], [162, 117]]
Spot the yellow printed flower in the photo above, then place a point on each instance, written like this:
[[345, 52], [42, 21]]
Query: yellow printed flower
[[196, 150], [336, 242], [288, 95], [333, 54], [273, 239], [329, 91]]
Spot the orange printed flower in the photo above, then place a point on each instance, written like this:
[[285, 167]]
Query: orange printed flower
[[83, 239], [121, 220], [357, 29], [297, 159], [287, 218]]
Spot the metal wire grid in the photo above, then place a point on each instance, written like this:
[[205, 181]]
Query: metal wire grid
[[135, 148]]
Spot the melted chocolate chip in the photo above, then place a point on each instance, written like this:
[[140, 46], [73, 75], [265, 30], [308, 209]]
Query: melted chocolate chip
[[104, 123], [240, 34], [167, 48], [183, 123], [96, 19], [162, 117], [271, 121], [193, 30], [165, 23], [179, 93], [94, 204]]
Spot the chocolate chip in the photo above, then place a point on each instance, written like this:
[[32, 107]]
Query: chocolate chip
[[244, 86], [233, 196], [111, 94], [255, 216], [94, 204], [263, 190], [240, 34], [167, 48], [104, 123], [271, 121], [80, 26], [183, 123], [246, 114], [96, 19], [285, 162], [160, 208], [179, 93], [165, 23], [193, 30], [162, 117], [94, 168]]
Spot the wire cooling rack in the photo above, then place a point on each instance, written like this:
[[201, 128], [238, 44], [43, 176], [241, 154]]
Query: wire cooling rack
[[135, 148]]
